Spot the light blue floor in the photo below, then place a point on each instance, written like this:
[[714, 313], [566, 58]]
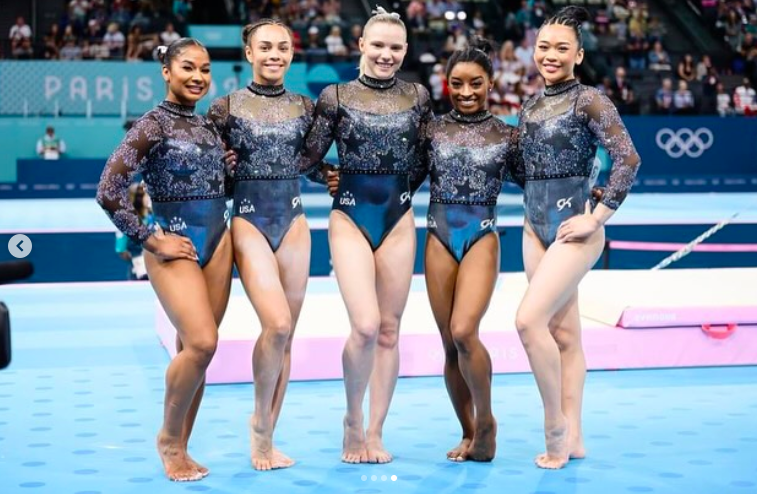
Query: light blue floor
[[81, 403], [84, 214]]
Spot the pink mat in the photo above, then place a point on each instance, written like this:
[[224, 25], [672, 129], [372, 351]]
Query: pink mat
[[665, 317], [421, 354]]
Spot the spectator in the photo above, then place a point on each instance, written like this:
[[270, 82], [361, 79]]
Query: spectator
[[703, 67], [525, 53], [52, 43], [686, 68], [659, 60], [744, 98], [114, 40], [19, 32], [683, 99], [656, 30], [77, 13], [664, 97], [50, 146], [622, 93], [335, 43], [169, 35], [355, 33], [723, 101], [636, 49], [438, 84], [71, 50]]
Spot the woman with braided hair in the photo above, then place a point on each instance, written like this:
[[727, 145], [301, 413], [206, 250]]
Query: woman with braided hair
[[563, 237]]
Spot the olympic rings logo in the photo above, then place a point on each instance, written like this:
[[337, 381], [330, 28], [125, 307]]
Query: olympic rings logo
[[692, 143]]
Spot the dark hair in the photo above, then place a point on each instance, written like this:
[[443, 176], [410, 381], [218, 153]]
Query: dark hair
[[571, 16], [166, 54], [478, 51], [249, 30]]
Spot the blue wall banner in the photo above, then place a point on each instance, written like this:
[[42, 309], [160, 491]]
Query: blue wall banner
[[695, 154]]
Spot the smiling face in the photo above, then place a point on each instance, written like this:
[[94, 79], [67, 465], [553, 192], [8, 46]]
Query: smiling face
[[270, 53], [188, 75], [557, 53], [383, 49], [469, 85]]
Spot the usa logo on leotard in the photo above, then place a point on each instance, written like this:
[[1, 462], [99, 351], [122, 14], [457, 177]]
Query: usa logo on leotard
[[296, 202], [177, 224], [487, 223], [692, 143], [564, 202], [246, 207], [347, 199], [404, 197]]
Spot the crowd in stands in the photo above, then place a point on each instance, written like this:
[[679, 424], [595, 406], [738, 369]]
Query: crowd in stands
[[132, 29]]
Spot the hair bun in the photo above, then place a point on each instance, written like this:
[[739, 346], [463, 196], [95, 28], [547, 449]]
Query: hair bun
[[580, 14], [483, 44], [379, 10]]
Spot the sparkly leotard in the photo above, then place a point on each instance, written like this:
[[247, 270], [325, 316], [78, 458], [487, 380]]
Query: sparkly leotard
[[266, 126], [377, 125], [559, 134], [469, 156], [180, 157]]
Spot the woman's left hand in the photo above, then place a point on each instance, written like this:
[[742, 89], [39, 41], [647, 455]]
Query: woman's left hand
[[230, 160], [578, 228]]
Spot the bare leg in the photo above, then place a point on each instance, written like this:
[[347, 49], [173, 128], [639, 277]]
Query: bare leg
[[394, 271], [441, 277], [553, 279], [476, 280], [566, 330], [260, 274], [293, 257], [356, 274], [182, 290]]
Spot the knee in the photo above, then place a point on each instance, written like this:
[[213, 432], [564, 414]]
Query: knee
[[566, 338], [201, 350], [463, 333], [365, 331], [389, 334], [279, 331], [527, 323]]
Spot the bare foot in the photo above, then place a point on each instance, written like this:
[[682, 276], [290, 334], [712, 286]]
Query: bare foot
[[459, 452], [375, 449], [484, 444], [175, 460], [577, 450], [353, 446], [261, 446], [558, 448], [280, 460], [203, 470]]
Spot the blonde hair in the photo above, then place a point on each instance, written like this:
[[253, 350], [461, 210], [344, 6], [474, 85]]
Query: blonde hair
[[380, 15]]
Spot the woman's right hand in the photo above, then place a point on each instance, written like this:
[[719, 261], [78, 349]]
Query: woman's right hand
[[170, 247]]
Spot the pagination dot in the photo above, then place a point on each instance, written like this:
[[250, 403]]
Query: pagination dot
[[364, 478], [394, 478], [383, 478], [373, 478]]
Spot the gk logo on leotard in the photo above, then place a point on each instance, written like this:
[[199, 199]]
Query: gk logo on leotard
[[296, 202], [226, 215], [431, 223], [488, 223], [246, 207], [347, 199], [177, 225], [404, 197], [692, 143], [564, 202]]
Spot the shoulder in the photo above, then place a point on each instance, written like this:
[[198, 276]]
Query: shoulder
[[591, 96]]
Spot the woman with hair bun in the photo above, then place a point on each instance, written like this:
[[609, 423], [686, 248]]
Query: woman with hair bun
[[376, 121], [266, 126], [563, 236], [188, 253], [469, 154]]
